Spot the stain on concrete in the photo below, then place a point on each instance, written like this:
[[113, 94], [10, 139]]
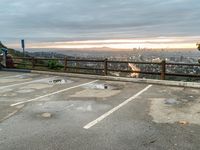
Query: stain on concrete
[[5, 90], [104, 86], [8, 94], [43, 115], [25, 91], [60, 81], [100, 90], [11, 111], [19, 106], [85, 108], [14, 80], [184, 104], [171, 101], [57, 81], [96, 93], [37, 86], [46, 115]]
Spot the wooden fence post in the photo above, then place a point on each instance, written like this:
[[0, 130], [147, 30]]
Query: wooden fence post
[[65, 62], [106, 67], [33, 63], [163, 70]]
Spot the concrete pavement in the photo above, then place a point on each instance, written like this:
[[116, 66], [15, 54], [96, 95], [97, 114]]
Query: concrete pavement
[[48, 112]]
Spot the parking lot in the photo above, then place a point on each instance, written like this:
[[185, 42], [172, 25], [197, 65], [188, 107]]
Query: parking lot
[[46, 112]]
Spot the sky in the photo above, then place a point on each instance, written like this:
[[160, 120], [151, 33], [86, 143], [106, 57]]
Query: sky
[[100, 23]]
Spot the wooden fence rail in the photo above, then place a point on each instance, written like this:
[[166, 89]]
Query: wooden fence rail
[[105, 63]]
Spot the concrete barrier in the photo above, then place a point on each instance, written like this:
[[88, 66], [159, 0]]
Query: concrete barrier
[[17, 70], [112, 78], [124, 79]]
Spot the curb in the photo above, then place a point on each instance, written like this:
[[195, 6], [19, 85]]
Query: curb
[[16, 70], [111, 78], [123, 79]]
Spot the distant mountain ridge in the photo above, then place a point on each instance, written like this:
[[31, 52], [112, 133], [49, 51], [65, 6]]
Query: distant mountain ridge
[[16, 53]]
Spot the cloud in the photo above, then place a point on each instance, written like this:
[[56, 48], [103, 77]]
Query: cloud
[[56, 20]]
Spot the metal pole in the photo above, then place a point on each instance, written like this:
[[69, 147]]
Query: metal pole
[[23, 52], [23, 46]]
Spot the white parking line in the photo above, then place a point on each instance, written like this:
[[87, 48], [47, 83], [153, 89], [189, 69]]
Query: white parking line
[[33, 81], [9, 115], [13, 76], [91, 124], [57, 92]]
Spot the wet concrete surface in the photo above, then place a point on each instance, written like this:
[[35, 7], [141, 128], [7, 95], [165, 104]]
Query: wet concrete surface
[[150, 121]]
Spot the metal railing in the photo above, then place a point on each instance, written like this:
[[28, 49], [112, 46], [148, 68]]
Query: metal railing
[[105, 66]]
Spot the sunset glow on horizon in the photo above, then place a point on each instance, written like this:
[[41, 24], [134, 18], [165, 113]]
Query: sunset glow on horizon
[[153, 43]]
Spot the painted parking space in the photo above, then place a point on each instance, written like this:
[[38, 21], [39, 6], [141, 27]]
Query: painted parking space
[[5, 74], [14, 98], [35, 88]]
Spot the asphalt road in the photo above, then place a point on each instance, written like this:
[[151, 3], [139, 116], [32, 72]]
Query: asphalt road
[[42, 112]]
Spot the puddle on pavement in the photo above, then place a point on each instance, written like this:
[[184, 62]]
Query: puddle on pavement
[[47, 83], [99, 90], [57, 81], [96, 93], [103, 86]]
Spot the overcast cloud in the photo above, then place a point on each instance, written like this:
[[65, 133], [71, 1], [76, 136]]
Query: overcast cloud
[[61, 20]]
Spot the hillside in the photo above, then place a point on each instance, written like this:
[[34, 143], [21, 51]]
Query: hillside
[[16, 53], [12, 52], [2, 46]]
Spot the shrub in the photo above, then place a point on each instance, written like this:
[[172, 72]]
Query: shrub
[[54, 64], [198, 46]]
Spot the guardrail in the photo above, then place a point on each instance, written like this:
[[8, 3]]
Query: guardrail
[[105, 66]]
